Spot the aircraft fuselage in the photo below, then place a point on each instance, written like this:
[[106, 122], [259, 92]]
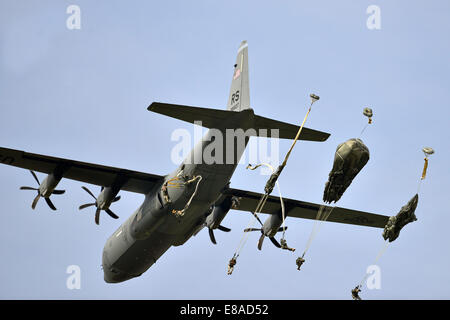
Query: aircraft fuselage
[[153, 228]]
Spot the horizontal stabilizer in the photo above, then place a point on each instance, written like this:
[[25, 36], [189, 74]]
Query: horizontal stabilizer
[[213, 118], [210, 118], [289, 131]]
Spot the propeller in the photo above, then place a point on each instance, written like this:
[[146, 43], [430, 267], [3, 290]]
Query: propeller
[[104, 207], [261, 239], [39, 194], [211, 233]]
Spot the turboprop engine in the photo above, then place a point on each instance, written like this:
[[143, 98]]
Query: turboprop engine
[[103, 201], [46, 189], [268, 229], [218, 213]]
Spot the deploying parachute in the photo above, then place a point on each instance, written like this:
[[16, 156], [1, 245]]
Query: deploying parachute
[[396, 223], [350, 157], [270, 184], [405, 216]]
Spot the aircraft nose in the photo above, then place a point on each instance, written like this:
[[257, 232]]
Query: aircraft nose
[[111, 275]]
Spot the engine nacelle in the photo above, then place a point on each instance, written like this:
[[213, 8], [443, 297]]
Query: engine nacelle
[[49, 184], [272, 225], [106, 197], [214, 219]]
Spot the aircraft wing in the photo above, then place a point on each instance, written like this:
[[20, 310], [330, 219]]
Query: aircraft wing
[[306, 210], [133, 181]]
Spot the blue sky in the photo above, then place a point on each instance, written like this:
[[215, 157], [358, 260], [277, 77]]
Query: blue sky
[[82, 94]]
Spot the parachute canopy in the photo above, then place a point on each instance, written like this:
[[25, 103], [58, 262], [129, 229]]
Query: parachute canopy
[[405, 216], [350, 157], [314, 98], [428, 151], [368, 112]]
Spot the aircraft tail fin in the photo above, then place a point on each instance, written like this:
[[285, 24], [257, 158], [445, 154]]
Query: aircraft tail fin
[[239, 98]]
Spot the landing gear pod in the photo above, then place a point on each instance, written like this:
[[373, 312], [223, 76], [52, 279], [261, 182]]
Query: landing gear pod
[[405, 216], [350, 157]]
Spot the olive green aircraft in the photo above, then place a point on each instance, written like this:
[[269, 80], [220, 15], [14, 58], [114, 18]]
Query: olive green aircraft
[[196, 195]]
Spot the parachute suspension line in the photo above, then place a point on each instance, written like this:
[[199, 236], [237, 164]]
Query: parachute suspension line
[[322, 215], [258, 209], [254, 218], [283, 242], [368, 113], [428, 152], [378, 257], [362, 131], [268, 190], [245, 236], [418, 186], [274, 177], [283, 211], [382, 251], [298, 132], [313, 231]]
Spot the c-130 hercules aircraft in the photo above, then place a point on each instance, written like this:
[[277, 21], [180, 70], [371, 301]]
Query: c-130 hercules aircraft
[[196, 195]]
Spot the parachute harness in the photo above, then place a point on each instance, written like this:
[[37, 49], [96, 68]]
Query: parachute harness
[[270, 184]]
